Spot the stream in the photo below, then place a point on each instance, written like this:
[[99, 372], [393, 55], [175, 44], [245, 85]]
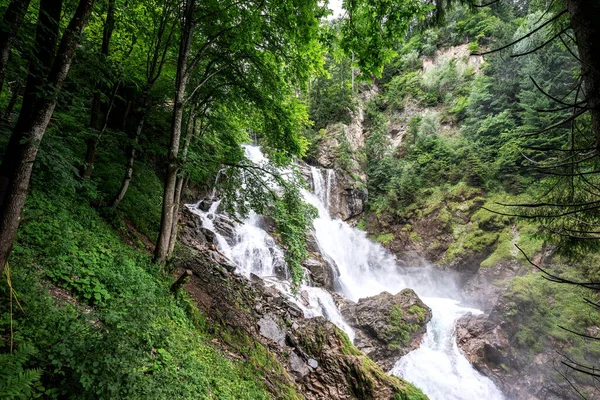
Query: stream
[[364, 268]]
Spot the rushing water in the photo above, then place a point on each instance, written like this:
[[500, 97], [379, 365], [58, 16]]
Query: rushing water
[[365, 269]]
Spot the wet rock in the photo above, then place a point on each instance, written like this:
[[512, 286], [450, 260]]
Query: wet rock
[[208, 234], [482, 342], [388, 326], [226, 227], [491, 347], [205, 204], [322, 273]]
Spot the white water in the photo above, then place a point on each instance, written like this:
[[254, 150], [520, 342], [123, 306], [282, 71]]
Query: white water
[[367, 269]]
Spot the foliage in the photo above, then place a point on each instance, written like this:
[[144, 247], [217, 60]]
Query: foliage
[[294, 217], [137, 341], [372, 29], [17, 381]]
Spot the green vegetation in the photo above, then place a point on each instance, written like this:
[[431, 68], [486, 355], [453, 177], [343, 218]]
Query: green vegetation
[[537, 310], [398, 330], [116, 331], [385, 238]]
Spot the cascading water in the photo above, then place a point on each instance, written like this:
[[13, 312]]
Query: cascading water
[[365, 269]]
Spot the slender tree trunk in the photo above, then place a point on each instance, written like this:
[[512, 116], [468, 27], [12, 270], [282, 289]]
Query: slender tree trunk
[[14, 97], [13, 17], [130, 163], [92, 142], [166, 223], [126, 115], [181, 183], [181, 180], [33, 132], [585, 20]]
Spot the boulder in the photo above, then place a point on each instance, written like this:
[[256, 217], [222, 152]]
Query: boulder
[[322, 272], [388, 326], [339, 370]]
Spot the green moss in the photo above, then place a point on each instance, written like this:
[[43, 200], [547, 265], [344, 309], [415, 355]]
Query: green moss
[[399, 330], [362, 225], [385, 238], [419, 311], [536, 308], [347, 347]]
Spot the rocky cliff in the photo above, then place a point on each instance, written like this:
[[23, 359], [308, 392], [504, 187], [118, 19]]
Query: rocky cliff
[[310, 356]]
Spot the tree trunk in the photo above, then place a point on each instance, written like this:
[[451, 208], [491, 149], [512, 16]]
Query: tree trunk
[[14, 97], [92, 143], [130, 163], [166, 222], [33, 132], [181, 179], [46, 37], [181, 183], [585, 19], [13, 17]]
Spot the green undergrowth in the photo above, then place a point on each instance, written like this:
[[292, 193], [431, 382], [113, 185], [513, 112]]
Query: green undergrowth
[[95, 318]]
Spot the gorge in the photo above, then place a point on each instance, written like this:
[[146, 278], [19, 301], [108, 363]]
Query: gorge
[[361, 269]]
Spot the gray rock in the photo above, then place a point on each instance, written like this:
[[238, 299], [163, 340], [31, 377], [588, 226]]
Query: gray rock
[[298, 366], [313, 363], [387, 326], [270, 330]]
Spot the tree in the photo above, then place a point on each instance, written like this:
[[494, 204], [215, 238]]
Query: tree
[[373, 28], [13, 17], [272, 44], [44, 82]]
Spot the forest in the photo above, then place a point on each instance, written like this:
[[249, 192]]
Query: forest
[[298, 199]]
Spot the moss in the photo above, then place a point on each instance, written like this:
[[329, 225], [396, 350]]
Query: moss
[[536, 308], [503, 251], [524, 235], [385, 238], [347, 347], [399, 330], [314, 345], [415, 237], [419, 311], [362, 225]]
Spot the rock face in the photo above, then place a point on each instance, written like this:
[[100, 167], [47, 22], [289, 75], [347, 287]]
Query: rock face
[[341, 371], [488, 343], [311, 356], [388, 326]]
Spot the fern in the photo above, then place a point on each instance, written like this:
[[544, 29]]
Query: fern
[[17, 382]]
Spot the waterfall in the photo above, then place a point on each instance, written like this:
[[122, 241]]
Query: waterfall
[[365, 269]]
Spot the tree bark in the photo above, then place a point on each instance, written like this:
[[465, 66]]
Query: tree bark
[[166, 223], [92, 142], [46, 38], [130, 163], [585, 20], [181, 179], [14, 97], [33, 131], [13, 17]]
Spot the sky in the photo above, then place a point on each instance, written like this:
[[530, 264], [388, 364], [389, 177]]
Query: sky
[[336, 6]]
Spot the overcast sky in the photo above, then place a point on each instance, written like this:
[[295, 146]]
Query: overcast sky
[[336, 6]]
